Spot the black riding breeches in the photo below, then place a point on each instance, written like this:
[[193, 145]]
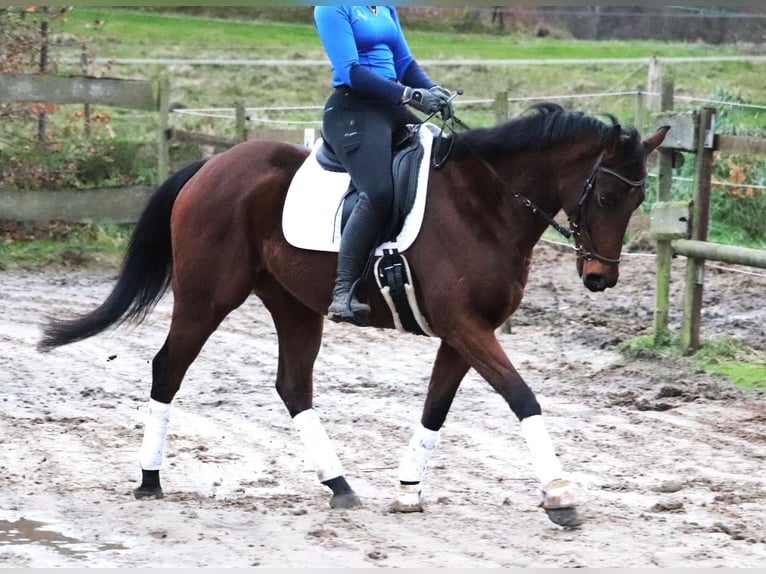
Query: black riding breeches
[[360, 131]]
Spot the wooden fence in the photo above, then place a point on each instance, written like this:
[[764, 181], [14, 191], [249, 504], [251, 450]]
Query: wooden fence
[[218, 143], [93, 205], [107, 205], [681, 227]]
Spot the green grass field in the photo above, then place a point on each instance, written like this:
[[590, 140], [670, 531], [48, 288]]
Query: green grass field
[[122, 33]]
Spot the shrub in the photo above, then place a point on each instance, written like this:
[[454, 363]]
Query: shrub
[[71, 156], [739, 211]]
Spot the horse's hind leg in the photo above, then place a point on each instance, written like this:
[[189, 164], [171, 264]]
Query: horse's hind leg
[[299, 330], [448, 371], [197, 312]]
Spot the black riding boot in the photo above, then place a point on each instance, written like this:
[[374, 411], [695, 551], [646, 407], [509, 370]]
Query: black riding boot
[[358, 239]]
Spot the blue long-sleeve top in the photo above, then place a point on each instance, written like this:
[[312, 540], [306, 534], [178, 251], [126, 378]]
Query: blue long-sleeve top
[[368, 51]]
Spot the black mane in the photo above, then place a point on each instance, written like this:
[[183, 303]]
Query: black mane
[[540, 126]]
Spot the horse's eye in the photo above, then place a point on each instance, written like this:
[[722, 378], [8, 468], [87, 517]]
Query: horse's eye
[[605, 200]]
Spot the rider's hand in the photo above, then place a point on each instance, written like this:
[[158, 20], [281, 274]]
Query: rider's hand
[[424, 100], [443, 93], [446, 109]]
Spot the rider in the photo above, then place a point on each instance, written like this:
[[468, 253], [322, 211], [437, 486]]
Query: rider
[[373, 76]]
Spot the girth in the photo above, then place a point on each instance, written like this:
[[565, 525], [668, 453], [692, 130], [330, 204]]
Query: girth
[[394, 279]]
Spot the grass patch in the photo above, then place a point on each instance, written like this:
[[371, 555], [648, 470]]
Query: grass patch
[[742, 365], [137, 33], [746, 375], [30, 246]]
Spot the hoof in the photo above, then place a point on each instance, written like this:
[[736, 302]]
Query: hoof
[[148, 492], [559, 502], [566, 517], [409, 498], [397, 506], [345, 501], [558, 494]]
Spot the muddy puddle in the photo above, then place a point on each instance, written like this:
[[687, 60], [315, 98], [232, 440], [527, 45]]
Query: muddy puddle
[[24, 531]]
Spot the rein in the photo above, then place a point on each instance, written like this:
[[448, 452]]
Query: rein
[[574, 219]]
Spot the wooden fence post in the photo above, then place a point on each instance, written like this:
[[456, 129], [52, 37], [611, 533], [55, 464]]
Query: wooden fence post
[[500, 107], [654, 82], [163, 145], [86, 106], [640, 110], [664, 250], [695, 267], [42, 119], [241, 122]]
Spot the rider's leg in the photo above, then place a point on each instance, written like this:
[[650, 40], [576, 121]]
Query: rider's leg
[[359, 238], [360, 132]]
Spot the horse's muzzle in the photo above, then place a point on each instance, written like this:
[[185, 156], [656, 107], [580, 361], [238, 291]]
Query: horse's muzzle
[[596, 276], [596, 282]]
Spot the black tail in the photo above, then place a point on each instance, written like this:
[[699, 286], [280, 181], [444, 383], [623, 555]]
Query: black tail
[[144, 276]]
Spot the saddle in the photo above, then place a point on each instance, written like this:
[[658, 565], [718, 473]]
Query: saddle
[[321, 197], [408, 152], [392, 272]]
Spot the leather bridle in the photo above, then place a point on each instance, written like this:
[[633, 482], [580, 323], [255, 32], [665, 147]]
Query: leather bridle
[[575, 219]]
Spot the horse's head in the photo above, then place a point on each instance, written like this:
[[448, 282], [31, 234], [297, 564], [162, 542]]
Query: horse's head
[[612, 193]]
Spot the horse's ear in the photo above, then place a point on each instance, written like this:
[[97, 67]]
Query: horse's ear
[[652, 142], [612, 148]]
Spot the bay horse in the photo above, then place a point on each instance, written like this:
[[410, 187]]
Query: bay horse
[[212, 231]]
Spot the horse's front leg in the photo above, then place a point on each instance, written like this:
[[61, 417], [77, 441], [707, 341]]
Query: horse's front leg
[[481, 350], [448, 370], [299, 331]]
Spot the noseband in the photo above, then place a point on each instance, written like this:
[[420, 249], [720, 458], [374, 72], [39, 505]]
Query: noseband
[[575, 218]]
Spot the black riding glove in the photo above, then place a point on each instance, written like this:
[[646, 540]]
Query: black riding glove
[[436, 99], [423, 100], [446, 109]]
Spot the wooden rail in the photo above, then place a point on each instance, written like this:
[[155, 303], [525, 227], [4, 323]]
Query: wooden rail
[[720, 252], [130, 94], [31, 88]]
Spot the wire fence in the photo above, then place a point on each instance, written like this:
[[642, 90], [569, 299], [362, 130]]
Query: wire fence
[[225, 62], [229, 112]]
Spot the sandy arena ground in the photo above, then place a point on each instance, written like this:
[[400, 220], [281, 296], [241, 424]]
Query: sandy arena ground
[[670, 461]]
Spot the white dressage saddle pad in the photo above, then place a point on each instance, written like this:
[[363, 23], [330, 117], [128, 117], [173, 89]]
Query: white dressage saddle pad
[[313, 206]]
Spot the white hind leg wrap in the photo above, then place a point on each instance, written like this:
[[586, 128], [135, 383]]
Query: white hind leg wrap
[[412, 467], [319, 448], [156, 419]]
